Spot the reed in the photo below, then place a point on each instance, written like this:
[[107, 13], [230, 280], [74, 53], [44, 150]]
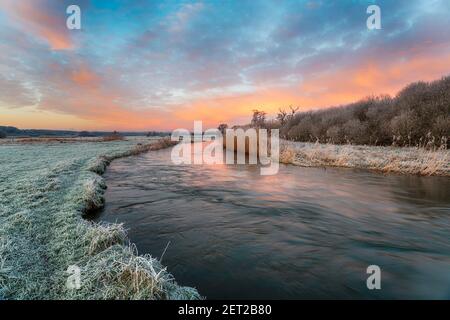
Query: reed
[[405, 160]]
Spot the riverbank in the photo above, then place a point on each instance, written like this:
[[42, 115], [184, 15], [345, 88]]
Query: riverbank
[[405, 160], [48, 140], [45, 189]]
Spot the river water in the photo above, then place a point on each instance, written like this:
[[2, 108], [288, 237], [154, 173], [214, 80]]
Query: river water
[[303, 233]]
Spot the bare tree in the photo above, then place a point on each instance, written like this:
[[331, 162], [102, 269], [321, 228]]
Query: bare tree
[[282, 116], [293, 110], [258, 119], [222, 127]]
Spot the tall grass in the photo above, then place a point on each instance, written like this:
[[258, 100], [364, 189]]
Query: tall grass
[[407, 160]]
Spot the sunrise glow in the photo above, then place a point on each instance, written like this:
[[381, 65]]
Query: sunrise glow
[[152, 65]]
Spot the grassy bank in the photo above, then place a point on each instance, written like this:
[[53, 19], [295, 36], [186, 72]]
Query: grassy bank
[[383, 159], [44, 191]]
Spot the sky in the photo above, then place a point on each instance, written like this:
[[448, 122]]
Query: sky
[[159, 65]]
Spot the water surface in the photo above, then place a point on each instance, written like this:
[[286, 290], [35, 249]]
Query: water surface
[[303, 233]]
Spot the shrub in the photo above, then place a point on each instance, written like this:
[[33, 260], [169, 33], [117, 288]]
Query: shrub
[[418, 115], [2, 135], [335, 135], [113, 137]]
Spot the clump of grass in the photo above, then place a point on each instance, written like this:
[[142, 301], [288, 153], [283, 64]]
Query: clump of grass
[[120, 273], [287, 154], [157, 145], [93, 194], [115, 136], [103, 236], [99, 164]]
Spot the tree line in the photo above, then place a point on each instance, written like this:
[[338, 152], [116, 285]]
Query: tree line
[[419, 115]]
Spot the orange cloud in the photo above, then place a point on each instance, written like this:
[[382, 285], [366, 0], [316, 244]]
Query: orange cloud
[[33, 17], [350, 84], [323, 90], [91, 105], [85, 78]]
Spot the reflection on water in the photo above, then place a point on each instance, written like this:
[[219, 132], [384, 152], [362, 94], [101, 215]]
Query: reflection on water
[[303, 233]]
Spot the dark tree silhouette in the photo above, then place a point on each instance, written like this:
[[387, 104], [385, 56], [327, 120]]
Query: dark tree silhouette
[[258, 119], [419, 115], [222, 127]]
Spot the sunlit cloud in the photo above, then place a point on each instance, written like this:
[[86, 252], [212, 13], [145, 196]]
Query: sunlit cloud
[[38, 18], [160, 65]]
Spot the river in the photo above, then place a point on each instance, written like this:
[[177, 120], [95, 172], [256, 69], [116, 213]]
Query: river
[[302, 233]]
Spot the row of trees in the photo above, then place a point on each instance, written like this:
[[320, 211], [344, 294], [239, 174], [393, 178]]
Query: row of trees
[[158, 134], [418, 116]]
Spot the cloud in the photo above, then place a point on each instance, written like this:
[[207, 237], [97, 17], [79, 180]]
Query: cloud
[[15, 93], [37, 17], [179, 21], [158, 65], [84, 77]]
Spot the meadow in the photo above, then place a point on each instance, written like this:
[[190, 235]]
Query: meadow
[[46, 190]]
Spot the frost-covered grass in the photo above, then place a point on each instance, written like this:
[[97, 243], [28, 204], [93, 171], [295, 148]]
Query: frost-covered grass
[[44, 191], [406, 160]]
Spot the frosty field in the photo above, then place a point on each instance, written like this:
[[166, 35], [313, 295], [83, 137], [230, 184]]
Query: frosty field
[[44, 191]]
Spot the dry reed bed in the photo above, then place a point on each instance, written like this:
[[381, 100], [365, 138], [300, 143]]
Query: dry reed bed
[[44, 190], [406, 160]]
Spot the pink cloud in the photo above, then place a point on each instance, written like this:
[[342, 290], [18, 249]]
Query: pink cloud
[[33, 17]]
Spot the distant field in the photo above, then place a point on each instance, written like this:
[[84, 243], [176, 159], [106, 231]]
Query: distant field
[[44, 140], [44, 191], [62, 139]]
